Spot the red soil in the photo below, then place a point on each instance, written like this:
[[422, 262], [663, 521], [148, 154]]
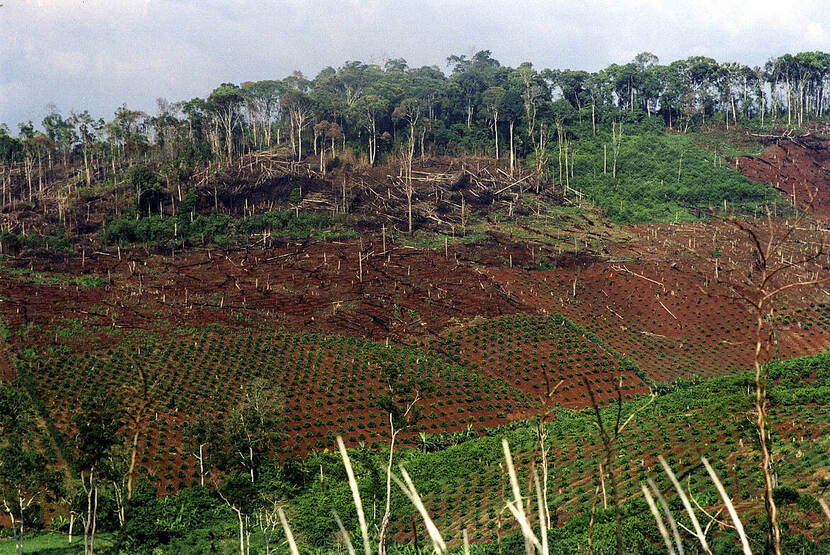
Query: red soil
[[657, 300], [406, 293], [654, 299], [797, 169]]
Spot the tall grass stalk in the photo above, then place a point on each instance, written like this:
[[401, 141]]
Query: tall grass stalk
[[361, 517], [412, 494], [292, 545], [656, 491], [658, 519], [688, 506], [728, 502]]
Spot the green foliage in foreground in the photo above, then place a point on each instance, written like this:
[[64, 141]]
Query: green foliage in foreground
[[652, 182], [464, 486], [53, 543]]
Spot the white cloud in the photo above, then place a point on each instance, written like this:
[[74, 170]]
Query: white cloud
[[98, 54]]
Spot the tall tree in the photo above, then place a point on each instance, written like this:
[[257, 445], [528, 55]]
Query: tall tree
[[224, 103], [25, 476], [98, 425], [533, 90], [300, 109], [262, 99], [492, 100], [368, 110], [85, 127], [470, 85]]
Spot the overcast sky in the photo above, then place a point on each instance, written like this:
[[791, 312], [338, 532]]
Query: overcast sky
[[99, 54]]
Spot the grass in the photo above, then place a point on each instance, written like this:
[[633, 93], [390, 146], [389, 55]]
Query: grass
[[659, 177], [428, 240], [53, 543], [84, 281], [216, 228], [558, 227]]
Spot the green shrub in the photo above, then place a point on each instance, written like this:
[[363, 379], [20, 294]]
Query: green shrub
[[785, 495]]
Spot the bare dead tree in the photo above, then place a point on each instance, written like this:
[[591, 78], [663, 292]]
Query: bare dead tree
[[773, 272], [542, 155], [541, 431], [409, 110], [400, 403], [267, 520]]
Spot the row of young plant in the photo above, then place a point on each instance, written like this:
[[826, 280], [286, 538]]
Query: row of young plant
[[318, 374], [465, 490], [538, 351], [317, 377], [664, 355]]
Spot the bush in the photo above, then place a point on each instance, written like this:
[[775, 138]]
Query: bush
[[218, 228], [785, 495], [88, 281], [56, 241]]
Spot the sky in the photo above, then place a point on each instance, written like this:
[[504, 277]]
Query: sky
[[99, 54]]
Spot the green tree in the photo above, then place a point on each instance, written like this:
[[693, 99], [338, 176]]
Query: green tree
[[147, 185], [98, 425], [145, 530], [25, 475], [24, 478], [492, 99], [469, 85], [224, 103], [253, 427]]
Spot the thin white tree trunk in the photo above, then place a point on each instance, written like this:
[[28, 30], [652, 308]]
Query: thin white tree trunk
[[20, 501], [14, 533], [496, 133], [387, 509], [94, 524], [241, 532], [201, 465], [88, 520], [299, 142]]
